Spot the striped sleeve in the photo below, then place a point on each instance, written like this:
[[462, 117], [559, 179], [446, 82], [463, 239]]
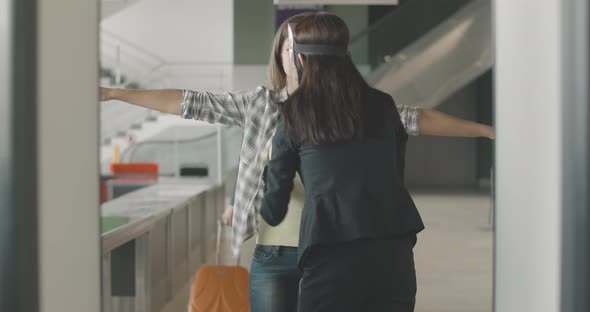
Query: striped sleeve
[[224, 108], [409, 116]]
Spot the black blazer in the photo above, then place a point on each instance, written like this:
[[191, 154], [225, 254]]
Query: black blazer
[[353, 190]]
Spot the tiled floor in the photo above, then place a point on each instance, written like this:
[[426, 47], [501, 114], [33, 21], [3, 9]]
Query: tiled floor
[[453, 255]]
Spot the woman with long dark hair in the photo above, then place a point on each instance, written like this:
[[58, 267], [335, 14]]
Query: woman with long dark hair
[[347, 142]]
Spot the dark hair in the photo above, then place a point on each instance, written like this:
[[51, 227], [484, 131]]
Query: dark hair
[[328, 104], [275, 70]]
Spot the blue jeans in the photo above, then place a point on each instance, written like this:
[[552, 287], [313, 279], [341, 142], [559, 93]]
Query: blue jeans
[[274, 279]]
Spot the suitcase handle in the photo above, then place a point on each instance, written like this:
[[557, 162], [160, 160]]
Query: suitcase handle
[[218, 243]]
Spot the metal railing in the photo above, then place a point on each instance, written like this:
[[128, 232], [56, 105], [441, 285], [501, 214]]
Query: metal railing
[[217, 149], [131, 63]]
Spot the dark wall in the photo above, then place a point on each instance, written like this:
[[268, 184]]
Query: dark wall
[[455, 162], [441, 161]]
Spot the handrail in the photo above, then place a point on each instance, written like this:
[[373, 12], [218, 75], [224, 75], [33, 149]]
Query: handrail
[[391, 34], [137, 146], [153, 64], [216, 75], [149, 70], [381, 21], [130, 152]]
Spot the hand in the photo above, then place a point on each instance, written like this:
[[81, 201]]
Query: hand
[[227, 216], [491, 133], [105, 94]]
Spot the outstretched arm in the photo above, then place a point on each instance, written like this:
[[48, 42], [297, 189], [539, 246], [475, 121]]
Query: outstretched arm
[[224, 108], [165, 100], [432, 122]]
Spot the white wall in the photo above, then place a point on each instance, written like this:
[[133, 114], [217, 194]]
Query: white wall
[[67, 151], [528, 149], [178, 30]]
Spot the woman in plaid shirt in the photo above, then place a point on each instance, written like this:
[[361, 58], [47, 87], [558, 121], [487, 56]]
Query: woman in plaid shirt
[[274, 273]]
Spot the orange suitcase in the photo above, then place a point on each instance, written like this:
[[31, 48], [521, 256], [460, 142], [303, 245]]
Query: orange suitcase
[[220, 288]]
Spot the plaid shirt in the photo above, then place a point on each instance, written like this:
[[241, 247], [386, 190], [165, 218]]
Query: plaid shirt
[[256, 112]]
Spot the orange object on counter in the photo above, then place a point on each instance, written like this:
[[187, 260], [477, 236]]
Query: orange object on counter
[[134, 168]]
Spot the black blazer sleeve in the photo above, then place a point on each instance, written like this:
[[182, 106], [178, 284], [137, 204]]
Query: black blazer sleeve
[[280, 172]]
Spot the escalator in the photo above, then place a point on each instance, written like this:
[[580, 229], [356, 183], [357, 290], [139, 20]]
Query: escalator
[[426, 50]]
